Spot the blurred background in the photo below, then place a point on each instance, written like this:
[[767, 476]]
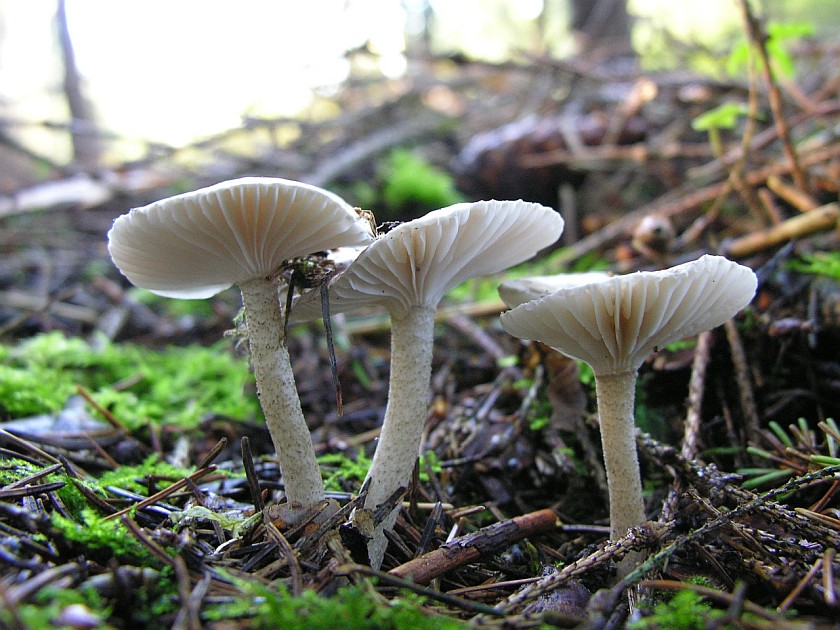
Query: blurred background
[[101, 83], [615, 112]]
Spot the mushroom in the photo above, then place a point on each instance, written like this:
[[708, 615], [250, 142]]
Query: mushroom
[[613, 325], [407, 271], [241, 232], [520, 290]]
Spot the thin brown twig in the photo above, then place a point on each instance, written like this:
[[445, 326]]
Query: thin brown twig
[[178, 485], [470, 547], [796, 591], [251, 474], [102, 411], [742, 374], [388, 578], [187, 618], [155, 548], [287, 553], [26, 446], [759, 40]]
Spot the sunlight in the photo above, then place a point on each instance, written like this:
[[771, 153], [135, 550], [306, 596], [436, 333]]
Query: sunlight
[[174, 71]]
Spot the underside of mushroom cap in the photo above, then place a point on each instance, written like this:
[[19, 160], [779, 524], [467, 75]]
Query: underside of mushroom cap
[[417, 262], [614, 324], [196, 244]]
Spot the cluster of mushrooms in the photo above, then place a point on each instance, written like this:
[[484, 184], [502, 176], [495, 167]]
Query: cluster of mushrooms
[[244, 231]]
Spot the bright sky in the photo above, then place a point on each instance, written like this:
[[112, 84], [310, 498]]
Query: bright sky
[[176, 70]]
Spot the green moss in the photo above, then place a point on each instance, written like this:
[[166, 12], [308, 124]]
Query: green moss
[[103, 539], [351, 607], [49, 604], [429, 462], [686, 610], [819, 263], [177, 386], [410, 179], [135, 478], [337, 468]]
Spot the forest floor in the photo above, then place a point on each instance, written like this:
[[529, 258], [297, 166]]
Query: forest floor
[[137, 482]]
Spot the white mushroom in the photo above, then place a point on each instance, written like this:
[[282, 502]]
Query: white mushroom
[[613, 325], [520, 290], [408, 270], [241, 232]]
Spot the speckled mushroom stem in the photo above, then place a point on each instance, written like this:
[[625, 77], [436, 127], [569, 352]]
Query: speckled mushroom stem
[[402, 429], [278, 395], [616, 394]]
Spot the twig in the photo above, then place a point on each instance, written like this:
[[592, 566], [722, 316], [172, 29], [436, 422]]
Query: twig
[[187, 618], [774, 96], [799, 199], [605, 552], [287, 553], [817, 220], [181, 483], [388, 578], [742, 373], [788, 601], [31, 448], [105, 413], [470, 547], [251, 474], [213, 453], [30, 587], [755, 503], [155, 548], [669, 207]]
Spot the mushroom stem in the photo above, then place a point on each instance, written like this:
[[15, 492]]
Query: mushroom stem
[[616, 394], [402, 429], [278, 395]]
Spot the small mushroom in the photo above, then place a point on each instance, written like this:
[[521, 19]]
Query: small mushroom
[[613, 325], [520, 290], [407, 271], [241, 232]]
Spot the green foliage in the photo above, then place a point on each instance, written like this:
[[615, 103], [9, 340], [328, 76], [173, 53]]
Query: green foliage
[[585, 375], [429, 461], [351, 607], [778, 36], [724, 116], [819, 449], [178, 385], [686, 610], [337, 467], [481, 289], [818, 263], [539, 415], [409, 179]]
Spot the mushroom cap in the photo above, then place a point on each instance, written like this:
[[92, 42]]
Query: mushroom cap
[[614, 324], [417, 262], [196, 244], [520, 290]]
